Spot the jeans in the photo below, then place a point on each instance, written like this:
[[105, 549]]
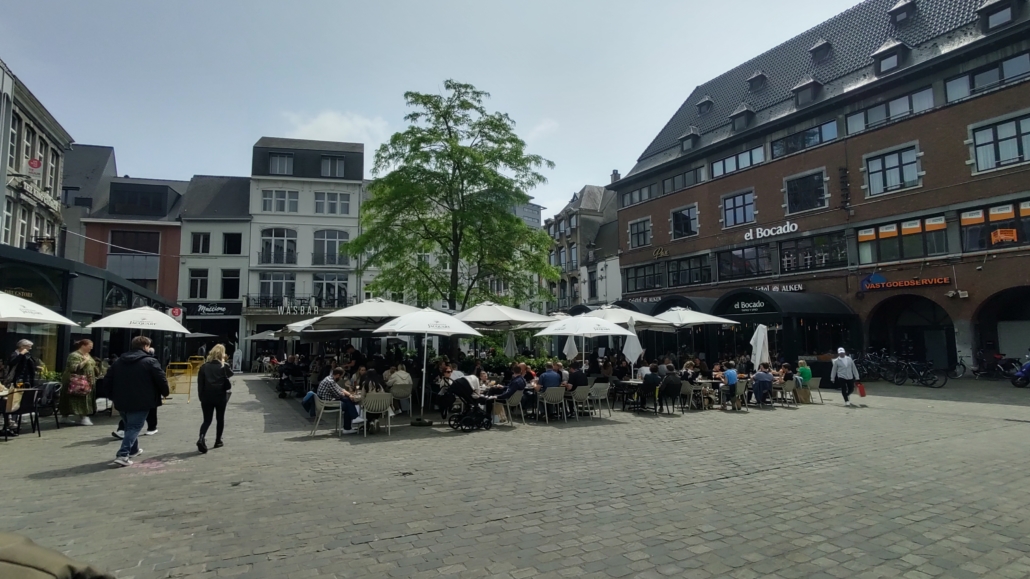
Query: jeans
[[846, 387], [151, 420], [218, 410], [308, 403], [349, 411], [134, 422]]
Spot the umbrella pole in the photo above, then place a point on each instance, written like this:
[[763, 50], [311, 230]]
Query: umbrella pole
[[425, 363]]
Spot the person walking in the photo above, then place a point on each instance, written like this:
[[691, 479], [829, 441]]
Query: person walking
[[213, 389], [151, 430], [78, 383], [844, 374], [137, 386]]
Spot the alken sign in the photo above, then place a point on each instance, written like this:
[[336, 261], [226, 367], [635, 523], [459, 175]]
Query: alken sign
[[760, 232]]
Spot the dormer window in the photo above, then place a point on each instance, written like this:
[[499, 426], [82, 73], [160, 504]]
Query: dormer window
[[704, 106], [806, 91], [820, 51], [999, 18], [889, 57], [689, 139], [742, 117], [902, 12], [757, 81]]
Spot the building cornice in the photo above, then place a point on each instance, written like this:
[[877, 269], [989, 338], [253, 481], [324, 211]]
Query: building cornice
[[132, 222]]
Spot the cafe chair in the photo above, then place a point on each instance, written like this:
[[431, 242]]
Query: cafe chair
[[514, 402], [591, 380], [377, 403], [323, 407], [599, 392], [402, 392], [687, 391], [740, 392], [813, 387], [579, 399], [554, 396], [788, 387]]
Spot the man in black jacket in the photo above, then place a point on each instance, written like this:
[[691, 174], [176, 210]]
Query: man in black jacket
[[137, 386]]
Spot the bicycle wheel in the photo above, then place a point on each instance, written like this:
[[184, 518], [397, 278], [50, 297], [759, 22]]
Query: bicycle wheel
[[934, 378], [887, 371], [901, 376], [958, 371], [872, 372]]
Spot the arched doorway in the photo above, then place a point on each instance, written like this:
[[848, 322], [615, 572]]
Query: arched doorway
[[1002, 324], [913, 327]]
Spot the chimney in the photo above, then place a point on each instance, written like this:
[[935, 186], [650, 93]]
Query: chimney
[[616, 176]]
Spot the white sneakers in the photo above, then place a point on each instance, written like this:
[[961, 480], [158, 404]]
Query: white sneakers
[[122, 461], [119, 434], [85, 421], [357, 421], [351, 431], [151, 432], [847, 403], [138, 452]]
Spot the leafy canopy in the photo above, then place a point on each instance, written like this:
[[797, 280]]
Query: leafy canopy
[[438, 222]]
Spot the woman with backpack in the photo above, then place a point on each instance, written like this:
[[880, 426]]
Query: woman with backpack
[[214, 389]]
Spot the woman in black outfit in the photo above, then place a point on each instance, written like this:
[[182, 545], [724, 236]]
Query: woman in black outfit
[[214, 389]]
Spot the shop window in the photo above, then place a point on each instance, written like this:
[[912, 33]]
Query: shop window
[[738, 162], [744, 263], [684, 222], [201, 243], [913, 239], [816, 252], [806, 193], [640, 233], [892, 110], [996, 227], [892, 171], [230, 284], [988, 77], [804, 139], [232, 243], [642, 278], [738, 209], [690, 271], [1002, 144], [198, 284]]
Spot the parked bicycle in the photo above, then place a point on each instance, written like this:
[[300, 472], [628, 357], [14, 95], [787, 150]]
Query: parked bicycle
[[958, 370], [921, 372]]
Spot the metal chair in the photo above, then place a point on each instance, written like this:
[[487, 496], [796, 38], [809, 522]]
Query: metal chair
[[377, 403], [688, 391], [514, 402], [402, 391], [813, 386], [27, 406], [599, 392], [788, 387], [579, 399], [554, 396], [322, 407]]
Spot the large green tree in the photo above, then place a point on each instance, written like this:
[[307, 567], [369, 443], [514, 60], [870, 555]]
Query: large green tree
[[438, 221]]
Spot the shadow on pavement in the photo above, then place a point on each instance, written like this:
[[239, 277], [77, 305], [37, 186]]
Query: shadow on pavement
[[963, 390]]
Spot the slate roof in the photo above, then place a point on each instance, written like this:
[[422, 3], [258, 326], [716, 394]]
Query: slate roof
[[213, 197], [606, 242], [173, 212], [307, 145], [84, 168], [855, 34]]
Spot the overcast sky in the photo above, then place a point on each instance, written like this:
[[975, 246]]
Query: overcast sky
[[186, 87]]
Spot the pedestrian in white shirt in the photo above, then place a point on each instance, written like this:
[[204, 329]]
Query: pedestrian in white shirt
[[844, 374]]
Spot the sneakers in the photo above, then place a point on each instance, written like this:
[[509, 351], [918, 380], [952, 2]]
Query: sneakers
[[151, 432], [85, 421], [351, 431], [138, 452], [847, 403], [119, 434], [218, 444], [122, 461], [357, 421]]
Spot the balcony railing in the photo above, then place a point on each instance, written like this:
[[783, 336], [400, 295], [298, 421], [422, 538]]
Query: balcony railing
[[277, 257], [329, 259], [571, 266], [563, 302]]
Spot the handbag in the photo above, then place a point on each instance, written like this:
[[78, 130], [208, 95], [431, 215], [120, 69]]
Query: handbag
[[78, 385], [861, 389]]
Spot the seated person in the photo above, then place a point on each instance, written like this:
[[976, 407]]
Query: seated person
[[729, 385], [550, 378], [606, 373], [671, 386], [577, 377], [466, 389], [804, 372], [371, 381], [690, 372], [762, 383], [652, 381], [621, 371], [785, 374], [329, 391]]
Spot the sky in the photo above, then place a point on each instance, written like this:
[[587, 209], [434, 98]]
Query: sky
[[187, 87]]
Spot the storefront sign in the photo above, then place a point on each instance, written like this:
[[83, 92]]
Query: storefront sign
[[298, 310], [1003, 235], [645, 300], [760, 232], [214, 309], [660, 252], [20, 292], [878, 282], [752, 306], [787, 287]]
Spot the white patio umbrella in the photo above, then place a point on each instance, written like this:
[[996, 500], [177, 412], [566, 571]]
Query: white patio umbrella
[[622, 316], [369, 314], [266, 335], [680, 317], [510, 349], [632, 348], [583, 326], [544, 323], [144, 318], [298, 327], [493, 316], [14, 309], [760, 345], [427, 322]]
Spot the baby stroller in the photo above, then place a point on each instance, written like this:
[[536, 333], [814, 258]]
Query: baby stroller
[[472, 416]]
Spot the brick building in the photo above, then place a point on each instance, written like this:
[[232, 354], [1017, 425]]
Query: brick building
[[862, 184]]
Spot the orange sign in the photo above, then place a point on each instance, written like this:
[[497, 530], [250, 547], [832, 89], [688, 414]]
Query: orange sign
[[1003, 235]]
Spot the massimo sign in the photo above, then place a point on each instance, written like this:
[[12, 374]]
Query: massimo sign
[[761, 232]]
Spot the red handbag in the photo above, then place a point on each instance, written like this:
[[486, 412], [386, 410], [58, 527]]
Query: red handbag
[[861, 389]]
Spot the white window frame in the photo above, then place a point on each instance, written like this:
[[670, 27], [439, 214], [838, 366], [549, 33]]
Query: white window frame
[[672, 221], [866, 187], [23, 226], [754, 211], [204, 237], [202, 283], [51, 180], [12, 152], [826, 191], [8, 224], [650, 232], [971, 143], [333, 167]]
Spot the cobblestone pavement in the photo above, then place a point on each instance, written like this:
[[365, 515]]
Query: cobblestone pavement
[[916, 483]]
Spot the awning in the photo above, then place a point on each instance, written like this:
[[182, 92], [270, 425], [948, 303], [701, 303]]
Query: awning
[[795, 304], [703, 305]]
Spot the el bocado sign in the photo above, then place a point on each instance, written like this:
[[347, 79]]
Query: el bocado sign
[[762, 232]]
